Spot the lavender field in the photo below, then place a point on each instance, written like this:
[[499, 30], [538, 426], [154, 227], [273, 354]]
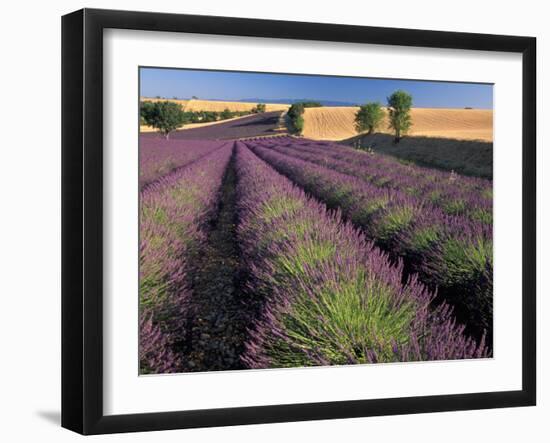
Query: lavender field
[[264, 124], [280, 251]]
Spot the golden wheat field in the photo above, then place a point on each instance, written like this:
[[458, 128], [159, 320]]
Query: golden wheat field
[[183, 103], [337, 123], [219, 106]]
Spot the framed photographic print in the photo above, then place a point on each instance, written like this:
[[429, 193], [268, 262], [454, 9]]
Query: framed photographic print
[[270, 221]]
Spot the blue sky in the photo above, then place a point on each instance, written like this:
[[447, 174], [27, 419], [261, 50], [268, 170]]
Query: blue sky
[[224, 85]]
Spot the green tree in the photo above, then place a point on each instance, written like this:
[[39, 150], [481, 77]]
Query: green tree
[[311, 104], [209, 116], [260, 107], [299, 124], [369, 117], [295, 113], [145, 111], [400, 103], [296, 110], [226, 113], [165, 116]]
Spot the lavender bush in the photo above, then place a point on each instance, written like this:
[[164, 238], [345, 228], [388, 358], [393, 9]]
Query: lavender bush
[[450, 252], [159, 157], [452, 193], [174, 214], [328, 295]]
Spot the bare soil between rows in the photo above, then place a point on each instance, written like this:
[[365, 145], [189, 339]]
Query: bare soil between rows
[[219, 315]]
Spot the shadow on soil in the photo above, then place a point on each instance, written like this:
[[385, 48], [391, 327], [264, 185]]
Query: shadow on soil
[[219, 315], [468, 157]]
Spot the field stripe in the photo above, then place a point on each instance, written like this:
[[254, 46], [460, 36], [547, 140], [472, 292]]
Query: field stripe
[[174, 215], [449, 253], [326, 294]]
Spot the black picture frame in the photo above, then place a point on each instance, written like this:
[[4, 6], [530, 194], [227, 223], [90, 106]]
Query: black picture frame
[[82, 218]]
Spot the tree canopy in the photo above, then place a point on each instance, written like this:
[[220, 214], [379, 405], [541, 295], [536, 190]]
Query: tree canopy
[[369, 117], [166, 116], [260, 107], [400, 103]]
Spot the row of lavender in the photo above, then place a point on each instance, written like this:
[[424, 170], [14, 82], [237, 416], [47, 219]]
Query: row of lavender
[[159, 157], [328, 295], [449, 252], [452, 193], [174, 214]]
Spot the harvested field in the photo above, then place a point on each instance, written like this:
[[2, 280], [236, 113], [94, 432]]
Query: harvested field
[[179, 102], [337, 123], [219, 106]]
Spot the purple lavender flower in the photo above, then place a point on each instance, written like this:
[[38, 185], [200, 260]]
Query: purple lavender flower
[[328, 295], [452, 252], [174, 214], [159, 157]]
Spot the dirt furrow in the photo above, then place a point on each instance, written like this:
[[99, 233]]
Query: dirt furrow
[[218, 316]]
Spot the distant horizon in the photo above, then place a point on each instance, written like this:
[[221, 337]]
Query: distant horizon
[[234, 86], [283, 102]]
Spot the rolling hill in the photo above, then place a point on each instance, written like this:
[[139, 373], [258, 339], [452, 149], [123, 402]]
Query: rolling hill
[[337, 123], [219, 106]]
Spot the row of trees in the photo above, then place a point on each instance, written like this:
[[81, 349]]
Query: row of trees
[[167, 116], [296, 112], [370, 115]]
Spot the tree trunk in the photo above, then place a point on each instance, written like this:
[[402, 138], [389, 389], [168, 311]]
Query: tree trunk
[[397, 136]]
